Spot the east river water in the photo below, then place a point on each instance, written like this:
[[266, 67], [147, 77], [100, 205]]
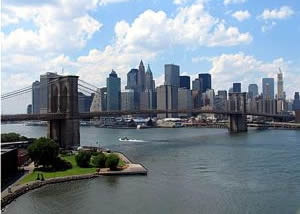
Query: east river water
[[190, 171]]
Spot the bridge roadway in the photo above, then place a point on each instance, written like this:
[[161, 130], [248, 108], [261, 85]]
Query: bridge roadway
[[90, 115]]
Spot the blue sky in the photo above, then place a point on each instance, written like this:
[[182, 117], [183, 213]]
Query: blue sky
[[234, 40]]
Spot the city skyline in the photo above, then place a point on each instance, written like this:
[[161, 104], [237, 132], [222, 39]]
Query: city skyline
[[235, 41]]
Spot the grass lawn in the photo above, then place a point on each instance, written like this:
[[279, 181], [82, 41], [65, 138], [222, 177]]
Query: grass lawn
[[76, 170]]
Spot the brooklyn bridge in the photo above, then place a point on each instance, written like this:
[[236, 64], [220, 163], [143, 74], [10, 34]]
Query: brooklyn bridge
[[63, 115]]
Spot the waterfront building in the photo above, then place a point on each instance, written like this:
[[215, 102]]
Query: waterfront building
[[84, 102], [296, 103], [237, 87], [36, 97], [280, 92], [268, 88], [172, 75], [185, 82], [220, 103], [113, 83], [99, 100], [148, 100], [29, 109], [184, 101], [132, 79], [252, 91], [141, 77], [167, 99], [149, 82], [196, 84], [205, 82], [44, 80], [127, 100]]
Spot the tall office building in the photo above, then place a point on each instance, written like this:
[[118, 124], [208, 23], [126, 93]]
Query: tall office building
[[113, 83], [84, 102], [167, 99], [132, 79], [149, 82], [205, 82], [185, 82], [237, 87], [44, 80], [148, 100], [141, 77], [185, 101], [252, 91], [223, 94], [172, 75], [208, 98], [196, 85], [268, 88], [127, 100], [99, 100], [296, 103], [36, 97], [280, 92]]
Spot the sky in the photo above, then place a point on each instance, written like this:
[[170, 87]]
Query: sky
[[233, 40]]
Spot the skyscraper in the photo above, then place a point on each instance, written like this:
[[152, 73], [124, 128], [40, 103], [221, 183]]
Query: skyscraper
[[113, 83], [236, 87], [141, 77], [252, 91], [36, 97], [196, 85], [268, 88], [296, 103], [149, 82], [185, 101], [205, 82], [167, 99], [84, 102], [172, 75], [127, 100], [132, 79], [280, 93], [44, 80], [185, 82]]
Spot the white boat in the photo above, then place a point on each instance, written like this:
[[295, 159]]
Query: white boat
[[126, 139]]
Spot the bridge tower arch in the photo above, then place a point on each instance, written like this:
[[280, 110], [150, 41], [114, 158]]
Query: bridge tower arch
[[237, 116], [63, 98]]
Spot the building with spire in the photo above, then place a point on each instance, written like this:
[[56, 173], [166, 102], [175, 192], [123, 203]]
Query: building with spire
[[149, 82], [280, 92], [141, 77]]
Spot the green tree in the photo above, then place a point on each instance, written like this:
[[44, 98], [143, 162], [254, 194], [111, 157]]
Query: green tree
[[12, 137], [43, 151], [112, 161], [99, 160], [83, 158]]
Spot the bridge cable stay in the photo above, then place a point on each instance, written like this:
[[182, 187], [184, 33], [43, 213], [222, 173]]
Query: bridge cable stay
[[80, 80], [23, 91], [87, 88]]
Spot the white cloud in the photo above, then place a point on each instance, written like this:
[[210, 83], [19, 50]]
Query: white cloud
[[282, 13], [229, 68], [227, 2], [105, 2], [241, 15], [179, 2]]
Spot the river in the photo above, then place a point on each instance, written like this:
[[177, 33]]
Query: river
[[191, 170]]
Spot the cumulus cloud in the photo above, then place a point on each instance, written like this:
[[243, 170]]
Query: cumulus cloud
[[282, 13], [239, 67], [269, 17], [227, 2], [241, 15]]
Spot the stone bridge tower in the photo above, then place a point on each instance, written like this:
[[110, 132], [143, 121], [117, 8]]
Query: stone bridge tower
[[63, 98], [238, 108]]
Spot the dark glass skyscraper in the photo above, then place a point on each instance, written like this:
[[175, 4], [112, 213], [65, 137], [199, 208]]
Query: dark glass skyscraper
[[252, 90], [237, 87], [132, 79], [172, 75], [113, 83], [205, 82], [185, 82], [36, 97], [296, 103]]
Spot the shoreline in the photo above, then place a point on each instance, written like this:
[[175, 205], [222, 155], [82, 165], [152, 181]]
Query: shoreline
[[132, 169]]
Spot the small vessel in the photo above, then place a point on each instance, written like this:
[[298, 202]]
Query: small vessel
[[126, 139]]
